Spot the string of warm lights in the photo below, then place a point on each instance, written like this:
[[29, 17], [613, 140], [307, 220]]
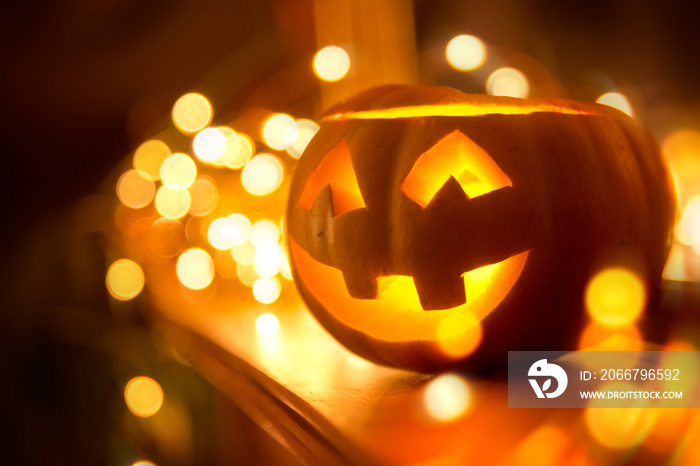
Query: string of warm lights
[[188, 207], [175, 186]]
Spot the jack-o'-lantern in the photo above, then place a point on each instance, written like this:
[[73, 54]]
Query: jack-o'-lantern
[[430, 229]]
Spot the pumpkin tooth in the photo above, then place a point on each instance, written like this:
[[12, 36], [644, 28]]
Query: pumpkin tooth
[[361, 286], [450, 192], [438, 291]]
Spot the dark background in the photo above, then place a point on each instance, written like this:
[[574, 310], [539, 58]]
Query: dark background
[[84, 82]]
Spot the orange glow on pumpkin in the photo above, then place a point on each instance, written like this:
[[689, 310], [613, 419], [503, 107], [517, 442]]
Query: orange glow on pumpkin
[[398, 302], [336, 166], [463, 110], [458, 156]]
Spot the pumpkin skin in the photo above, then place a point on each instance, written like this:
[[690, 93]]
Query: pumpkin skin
[[429, 229]]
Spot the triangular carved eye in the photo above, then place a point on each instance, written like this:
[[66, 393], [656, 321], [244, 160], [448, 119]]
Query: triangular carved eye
[[458, 156], [336, 170]]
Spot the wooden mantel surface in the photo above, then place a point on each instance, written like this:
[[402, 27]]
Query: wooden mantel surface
[[328, 406]]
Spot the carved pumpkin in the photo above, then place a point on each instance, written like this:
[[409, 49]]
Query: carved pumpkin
[[430, 229]]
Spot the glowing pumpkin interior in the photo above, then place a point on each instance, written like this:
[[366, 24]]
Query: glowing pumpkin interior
[[397, 315]]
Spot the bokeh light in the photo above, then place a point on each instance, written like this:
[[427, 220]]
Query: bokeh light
[[279, 131], [285, 269], [178, 171], [331, 63], [195, 268], [135, 189], [232, 146], [243, 227], [683, 150], [507, 82], [125, 279], [191, 113], [222, 233], [262, 174], [620, 427], [597, 337], [143, 396], [204, 197], [225, 232], [172, 203], [465, 53], [246, 149], [687, 230], [459, 334], [267, 324], [166, 238], [247, 274], [615, 297], [616, 100], [143, 463], [268, 259], [266, 289], [264, 231], [447, 397], [306, 130], [149, 156], [244, 253], [209, 144]]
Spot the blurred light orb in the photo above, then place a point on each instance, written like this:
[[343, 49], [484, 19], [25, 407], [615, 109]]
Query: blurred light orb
[[172, 203], [683, 150], [616, 100], [243, 253], [243, 227], [285, 269], [143, 396], [331, 63], [615, 297], [143, 463], [597, 337], [222, 233], [247, 274], [279, 131], [459, 334], [446, 397], [465, 53], [178, 171], [268, 259], [620, 427], [262, 175], [264, 231], [209, 144], [266, 290], [166, 238], [307, 129], [149, 156], [125, 279], [204, 197], [246, 149], [191, 113], [687, 229], [233, 145], [195, 268], [135, 189], [267, 324], [507, 82]]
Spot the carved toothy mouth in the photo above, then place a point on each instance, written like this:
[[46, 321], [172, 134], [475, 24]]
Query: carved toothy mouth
[[397, 314]]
